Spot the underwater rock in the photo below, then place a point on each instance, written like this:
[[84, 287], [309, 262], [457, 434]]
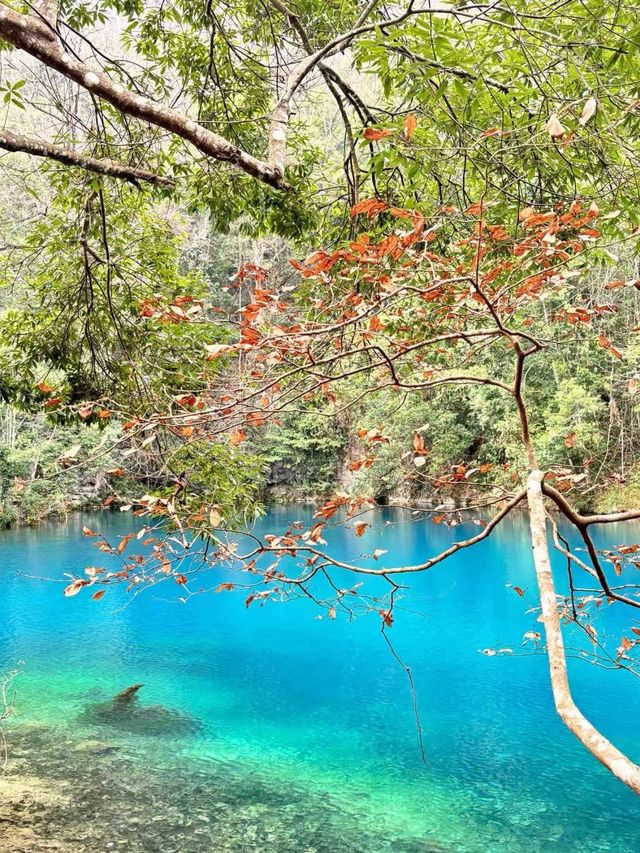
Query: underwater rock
[[96, 747], [125, 714]]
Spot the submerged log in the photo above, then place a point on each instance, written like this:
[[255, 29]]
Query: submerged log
[[124, 713], [128, 696]]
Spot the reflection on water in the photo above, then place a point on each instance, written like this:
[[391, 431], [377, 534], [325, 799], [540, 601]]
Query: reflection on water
[[269, 729]]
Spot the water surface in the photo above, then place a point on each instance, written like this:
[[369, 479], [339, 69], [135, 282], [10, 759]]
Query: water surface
[[298, 731]]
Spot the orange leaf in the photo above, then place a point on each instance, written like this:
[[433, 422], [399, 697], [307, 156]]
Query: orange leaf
[[124, 542], [369, 206], [360, 528], [410, 124], [237, 437], [98, 595], [372, 134], [75, 587]]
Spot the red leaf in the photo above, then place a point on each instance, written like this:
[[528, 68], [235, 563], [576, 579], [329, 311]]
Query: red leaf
[[98, 595], [387, 617], [185, 399]]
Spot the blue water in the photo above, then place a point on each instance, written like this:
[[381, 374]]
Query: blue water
[[293, 702]]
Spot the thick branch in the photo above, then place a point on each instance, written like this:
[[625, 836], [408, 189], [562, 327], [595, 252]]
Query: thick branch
[[35, 38], [570, 714], [104, 166]]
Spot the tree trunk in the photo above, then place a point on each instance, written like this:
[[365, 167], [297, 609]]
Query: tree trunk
[[570, 714]]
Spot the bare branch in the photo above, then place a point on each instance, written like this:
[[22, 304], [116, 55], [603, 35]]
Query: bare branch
[[102, 166], [47, 10]]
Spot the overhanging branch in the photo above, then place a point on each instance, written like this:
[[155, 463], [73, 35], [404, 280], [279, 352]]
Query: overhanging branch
[[11, 141], [35, 38]]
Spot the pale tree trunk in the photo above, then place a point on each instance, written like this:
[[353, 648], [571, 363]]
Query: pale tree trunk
[[570, 714]]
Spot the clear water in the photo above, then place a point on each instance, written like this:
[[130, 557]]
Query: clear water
[[304, 737]]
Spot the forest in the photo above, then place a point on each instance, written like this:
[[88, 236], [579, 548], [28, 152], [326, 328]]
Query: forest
[[374, 260]]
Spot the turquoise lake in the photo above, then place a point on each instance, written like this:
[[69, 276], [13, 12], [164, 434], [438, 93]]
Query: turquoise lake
[[301, 736]]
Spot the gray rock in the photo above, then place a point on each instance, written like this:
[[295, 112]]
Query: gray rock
[[96, 747]]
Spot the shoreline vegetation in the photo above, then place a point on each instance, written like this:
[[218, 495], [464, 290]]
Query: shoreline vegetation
[[619, 498], [49, 471]]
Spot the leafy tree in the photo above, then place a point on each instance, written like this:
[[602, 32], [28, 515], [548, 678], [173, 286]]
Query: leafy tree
[[408, 312]]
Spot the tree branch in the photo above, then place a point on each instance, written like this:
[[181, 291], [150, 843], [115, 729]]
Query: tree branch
[[103, 166], [36, 38], [280, 116], [47, 10], [447, 69]]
